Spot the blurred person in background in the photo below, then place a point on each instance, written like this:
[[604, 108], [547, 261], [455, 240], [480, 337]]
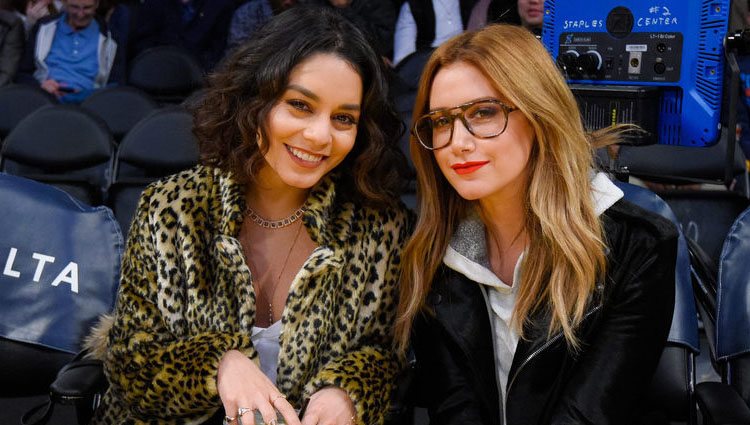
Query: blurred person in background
[[250, 16], [493, 11], [34, 10], [118, 14], [198, 26], [72, 54], [531, 13], [423, 25], [376, 17], [12, 39], [739, 19]]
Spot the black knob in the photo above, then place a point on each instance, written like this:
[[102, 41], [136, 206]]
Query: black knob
[[568, 62], [590, 63]]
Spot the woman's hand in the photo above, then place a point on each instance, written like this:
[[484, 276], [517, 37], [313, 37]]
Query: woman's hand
[[329, 406], [241, 384]]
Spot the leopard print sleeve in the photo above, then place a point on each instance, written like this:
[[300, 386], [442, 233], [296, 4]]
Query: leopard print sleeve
[[367, 370], [158, 365]]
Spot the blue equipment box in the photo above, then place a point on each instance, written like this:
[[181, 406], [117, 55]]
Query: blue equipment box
[[675, 45]]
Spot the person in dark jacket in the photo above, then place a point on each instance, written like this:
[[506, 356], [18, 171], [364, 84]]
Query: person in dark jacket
[[199, 26], [532, 293], [376, 17], [250, 16], [11, 45]]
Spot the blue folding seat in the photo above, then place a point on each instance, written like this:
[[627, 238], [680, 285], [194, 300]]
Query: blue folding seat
[[671, 394], [728, 402], [60, 263]]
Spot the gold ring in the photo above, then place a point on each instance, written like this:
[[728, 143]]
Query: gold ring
[[242, 410], [273, 400], [228, 420]]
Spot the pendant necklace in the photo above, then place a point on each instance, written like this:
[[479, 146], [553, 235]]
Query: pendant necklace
[[281, 272]]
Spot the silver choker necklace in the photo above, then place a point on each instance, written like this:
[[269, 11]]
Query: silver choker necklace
[[274, 224]]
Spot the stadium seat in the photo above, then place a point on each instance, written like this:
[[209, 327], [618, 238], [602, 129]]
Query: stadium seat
[[159, 145], [61, 268], [706, 216], [19, 100], [670, 398], [680, 163], [62, 145], [167, 73], [728, 402], [121, 107]]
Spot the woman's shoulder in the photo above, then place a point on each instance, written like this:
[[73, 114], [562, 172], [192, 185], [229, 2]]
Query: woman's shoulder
[[191, 179], [627, 218], [197, 185]]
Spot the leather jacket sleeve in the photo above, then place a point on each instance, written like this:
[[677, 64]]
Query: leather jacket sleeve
[[624, 349]]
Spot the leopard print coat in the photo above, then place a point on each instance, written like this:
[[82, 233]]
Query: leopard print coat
[[186, 297]]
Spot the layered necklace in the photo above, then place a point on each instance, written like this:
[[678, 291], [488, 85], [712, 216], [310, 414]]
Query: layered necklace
[[277, 224]]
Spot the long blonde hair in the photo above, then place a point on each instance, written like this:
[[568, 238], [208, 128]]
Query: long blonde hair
[[565, 256]]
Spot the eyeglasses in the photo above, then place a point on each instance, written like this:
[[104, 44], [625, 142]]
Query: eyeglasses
[[484, 118]]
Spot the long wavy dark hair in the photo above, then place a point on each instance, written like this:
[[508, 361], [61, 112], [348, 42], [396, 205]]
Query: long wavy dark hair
[[233, 110]]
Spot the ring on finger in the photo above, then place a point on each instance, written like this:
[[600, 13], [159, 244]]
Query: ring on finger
[[278, 396], [228, 420]]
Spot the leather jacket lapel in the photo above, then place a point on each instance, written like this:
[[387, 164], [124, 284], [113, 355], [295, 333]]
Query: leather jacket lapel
[[460, 309]]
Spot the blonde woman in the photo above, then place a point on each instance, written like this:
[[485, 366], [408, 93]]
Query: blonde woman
[[532, 293]]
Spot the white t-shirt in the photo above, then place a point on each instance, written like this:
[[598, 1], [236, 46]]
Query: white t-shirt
[[266, 343]]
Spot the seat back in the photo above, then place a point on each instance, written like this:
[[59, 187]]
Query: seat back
[[670, 395], [19, 100], [62, 145], [706, 216], [120, 107], [733, 306], [61, 262], [167, 73], [682, 163], [159, 145]]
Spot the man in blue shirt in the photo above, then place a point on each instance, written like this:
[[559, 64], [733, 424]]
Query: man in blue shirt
[[72, 54]]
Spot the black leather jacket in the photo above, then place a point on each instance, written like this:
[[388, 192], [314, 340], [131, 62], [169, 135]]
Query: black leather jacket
[[623, 333]]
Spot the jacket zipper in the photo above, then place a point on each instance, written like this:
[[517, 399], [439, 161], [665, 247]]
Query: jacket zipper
[[540, 349]]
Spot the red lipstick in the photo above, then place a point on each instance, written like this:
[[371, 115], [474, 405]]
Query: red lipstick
[[468, 167]]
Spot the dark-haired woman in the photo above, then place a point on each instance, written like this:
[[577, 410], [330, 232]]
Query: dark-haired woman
[[538, 295], [264, 280]]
